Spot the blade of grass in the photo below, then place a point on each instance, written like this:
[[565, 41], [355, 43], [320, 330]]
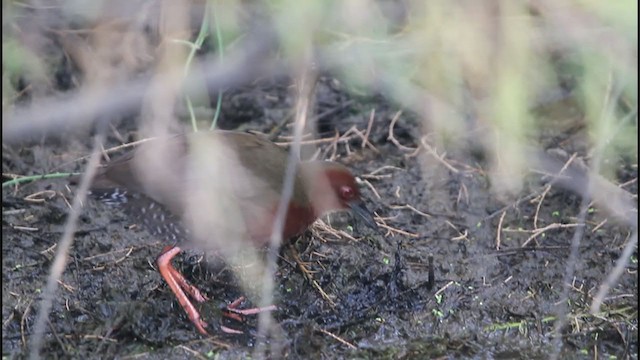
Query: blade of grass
[[24, 179], [220, 48], [195, 46]]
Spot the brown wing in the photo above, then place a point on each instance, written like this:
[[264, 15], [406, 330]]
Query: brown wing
[[116, 173], [266, 160], [164, 169]]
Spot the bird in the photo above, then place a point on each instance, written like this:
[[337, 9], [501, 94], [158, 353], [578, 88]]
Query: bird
[[224, 185]]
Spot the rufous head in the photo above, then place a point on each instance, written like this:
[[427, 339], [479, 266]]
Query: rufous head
[[335, 188]]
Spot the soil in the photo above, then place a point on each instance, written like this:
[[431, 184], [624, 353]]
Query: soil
[[483, 302]]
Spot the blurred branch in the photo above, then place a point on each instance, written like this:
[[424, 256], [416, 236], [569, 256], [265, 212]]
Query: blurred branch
[[60, 260], [615, 274], [56, 115], [579, 179], [305, 86]]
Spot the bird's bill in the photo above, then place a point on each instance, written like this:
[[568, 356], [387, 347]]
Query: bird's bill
[[363, 213]]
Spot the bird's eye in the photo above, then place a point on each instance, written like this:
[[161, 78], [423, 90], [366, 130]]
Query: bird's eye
[[347, 193]]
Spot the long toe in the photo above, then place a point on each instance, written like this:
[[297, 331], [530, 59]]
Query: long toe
[[200, 325], [190, 289], [232, 311], [252, 311], [176, 285], [229, 330]]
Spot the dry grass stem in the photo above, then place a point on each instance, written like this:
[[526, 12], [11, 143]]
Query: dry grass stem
[[540, 231], [40, 196], [398, 231], [391, 137], [339, 339], [499, 231], [309, 275], [372, 188], [410, 207], [437, 156], [442, 289], [368, 131]]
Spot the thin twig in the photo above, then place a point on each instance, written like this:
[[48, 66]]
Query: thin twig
[[438, 157], [373, 189], [401, 232], [382, 168], [540, 231], [40, 196], [613, 276], [462, 192], [108, 151], [499, 233], [308, 275], [363, 138], [192, 352], [444, 288], [546, 190], [317, 141], [391, 137], [339, 234], [369, 125], [23, 321], [410, 207], [334, 146], [597, 227], [341, 340]]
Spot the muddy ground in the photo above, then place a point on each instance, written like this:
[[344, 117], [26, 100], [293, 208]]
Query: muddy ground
[[484, 303]]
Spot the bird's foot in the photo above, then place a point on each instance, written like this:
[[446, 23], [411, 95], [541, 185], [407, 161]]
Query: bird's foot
[[232, 312], [181, 287], [187, 287]]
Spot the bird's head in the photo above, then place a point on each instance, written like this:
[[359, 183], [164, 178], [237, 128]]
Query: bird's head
[[335, 188]]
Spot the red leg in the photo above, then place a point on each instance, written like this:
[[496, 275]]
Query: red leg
[[187, 287], [190, 289], [177, 283], [230, 330]]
